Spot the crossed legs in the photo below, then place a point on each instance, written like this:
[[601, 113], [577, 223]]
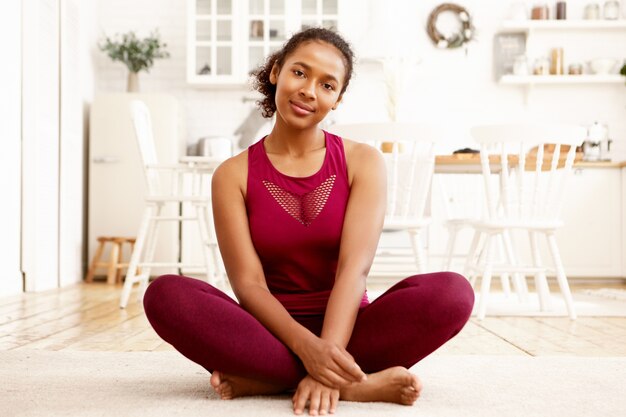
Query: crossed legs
[[401, 327]]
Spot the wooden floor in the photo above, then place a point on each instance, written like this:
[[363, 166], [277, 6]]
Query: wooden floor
[[87, 317]]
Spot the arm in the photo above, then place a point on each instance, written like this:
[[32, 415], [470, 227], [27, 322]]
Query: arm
[[242, 263], [245, 272], [362, 227]]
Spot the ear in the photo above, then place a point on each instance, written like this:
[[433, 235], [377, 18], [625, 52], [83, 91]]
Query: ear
[[274, 74], [337, 102]]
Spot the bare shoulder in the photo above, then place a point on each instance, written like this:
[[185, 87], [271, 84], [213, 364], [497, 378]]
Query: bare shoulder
[[361, 158], [232, 172]]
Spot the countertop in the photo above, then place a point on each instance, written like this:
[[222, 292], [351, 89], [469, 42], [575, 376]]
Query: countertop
[[470, 163]]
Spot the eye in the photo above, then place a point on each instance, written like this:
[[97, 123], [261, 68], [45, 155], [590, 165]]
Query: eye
[[329, 87], [298, 73]]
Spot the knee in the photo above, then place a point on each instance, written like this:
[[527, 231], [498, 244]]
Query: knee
[[159, 291], [456, 296]]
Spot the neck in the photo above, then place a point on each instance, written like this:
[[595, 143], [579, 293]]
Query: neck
[[296, 142]]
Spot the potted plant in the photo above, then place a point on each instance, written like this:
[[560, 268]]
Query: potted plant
[[623, 69], [137, 54]]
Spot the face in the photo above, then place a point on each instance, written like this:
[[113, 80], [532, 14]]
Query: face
[[308, 85]]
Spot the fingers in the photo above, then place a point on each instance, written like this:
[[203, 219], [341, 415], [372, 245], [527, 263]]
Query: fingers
[[349, 369]]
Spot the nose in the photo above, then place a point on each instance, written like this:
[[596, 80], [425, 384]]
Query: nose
[[308, 90]]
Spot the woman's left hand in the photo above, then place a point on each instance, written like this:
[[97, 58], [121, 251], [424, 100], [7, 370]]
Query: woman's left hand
[[322, 399]]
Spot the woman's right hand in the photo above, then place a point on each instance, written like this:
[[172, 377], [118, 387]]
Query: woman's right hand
[[329, 363]]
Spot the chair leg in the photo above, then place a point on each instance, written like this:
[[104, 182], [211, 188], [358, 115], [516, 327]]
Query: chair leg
[[135, 257], [94, 262], [217, 258], [560, 275], [203, 229], [114, 259], [504, 277], [418, 251], [151, 244], [485, 283], [447, 261], [519, 279], [541, 283], [471, 262]]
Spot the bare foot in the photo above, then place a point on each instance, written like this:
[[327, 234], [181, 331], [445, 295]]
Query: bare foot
[[229, 386], [392, 385]]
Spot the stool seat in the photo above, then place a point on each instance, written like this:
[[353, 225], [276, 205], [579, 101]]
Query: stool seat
[[114, 265]]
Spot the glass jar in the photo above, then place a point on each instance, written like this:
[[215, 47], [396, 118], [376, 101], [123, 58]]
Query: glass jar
[[556, 61], [561, 10], [611, 10], [520, 65], [540, 11], [541, 66], [575, 68], [592, 11]]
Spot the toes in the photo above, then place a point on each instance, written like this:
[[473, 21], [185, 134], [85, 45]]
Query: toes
[[216, 379]]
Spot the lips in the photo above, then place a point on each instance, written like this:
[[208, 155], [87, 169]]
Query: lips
[[301, 108]]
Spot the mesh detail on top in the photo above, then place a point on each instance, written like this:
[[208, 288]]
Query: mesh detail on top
[[304, 208]]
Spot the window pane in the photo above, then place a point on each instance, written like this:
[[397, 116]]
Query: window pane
[[203, 30], [309, 24], [255, 57], [329, 6], [256, 30], [203, 60], [203, 6], [256, 7], [224, 32], [277, 7], [277, 30], [330, 24], [224, 7], [309, 6], [224, 60]]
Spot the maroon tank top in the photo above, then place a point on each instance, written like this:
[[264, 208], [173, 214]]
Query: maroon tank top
[[296, 224]]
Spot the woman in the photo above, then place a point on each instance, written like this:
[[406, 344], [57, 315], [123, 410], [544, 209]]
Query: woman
[[298, 216]]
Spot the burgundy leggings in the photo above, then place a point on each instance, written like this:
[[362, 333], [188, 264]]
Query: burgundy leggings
[[402, 326]]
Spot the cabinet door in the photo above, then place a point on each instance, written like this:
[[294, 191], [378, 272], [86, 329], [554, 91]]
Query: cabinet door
[[212, 39], [590, 241]]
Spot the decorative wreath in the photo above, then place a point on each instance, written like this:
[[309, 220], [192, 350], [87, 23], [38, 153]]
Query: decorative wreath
[[455, 40]]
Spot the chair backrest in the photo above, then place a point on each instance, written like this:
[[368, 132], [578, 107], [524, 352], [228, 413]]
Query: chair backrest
[[533, 163], [142, 124], [408, 150]]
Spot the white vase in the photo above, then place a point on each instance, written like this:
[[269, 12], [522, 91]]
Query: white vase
[[132, 85]]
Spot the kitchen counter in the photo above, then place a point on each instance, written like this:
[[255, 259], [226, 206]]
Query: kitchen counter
[[470, 163]]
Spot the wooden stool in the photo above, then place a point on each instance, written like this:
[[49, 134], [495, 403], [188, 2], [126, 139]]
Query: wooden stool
[[114, 265]]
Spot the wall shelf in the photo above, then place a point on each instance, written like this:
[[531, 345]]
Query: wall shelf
[[527, 25], [562, 79]]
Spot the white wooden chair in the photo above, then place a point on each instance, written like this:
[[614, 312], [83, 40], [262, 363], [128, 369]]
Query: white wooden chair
[[408, 150], [164, 190], [524, 168]]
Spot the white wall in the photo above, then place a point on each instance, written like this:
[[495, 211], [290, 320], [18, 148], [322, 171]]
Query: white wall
[[10, 135], [445, 86]]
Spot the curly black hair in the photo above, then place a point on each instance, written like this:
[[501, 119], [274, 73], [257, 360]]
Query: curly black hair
[[261, 75]]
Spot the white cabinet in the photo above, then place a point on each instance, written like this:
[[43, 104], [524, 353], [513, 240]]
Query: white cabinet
[[590, 241], [226, 39], [116, 176]]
